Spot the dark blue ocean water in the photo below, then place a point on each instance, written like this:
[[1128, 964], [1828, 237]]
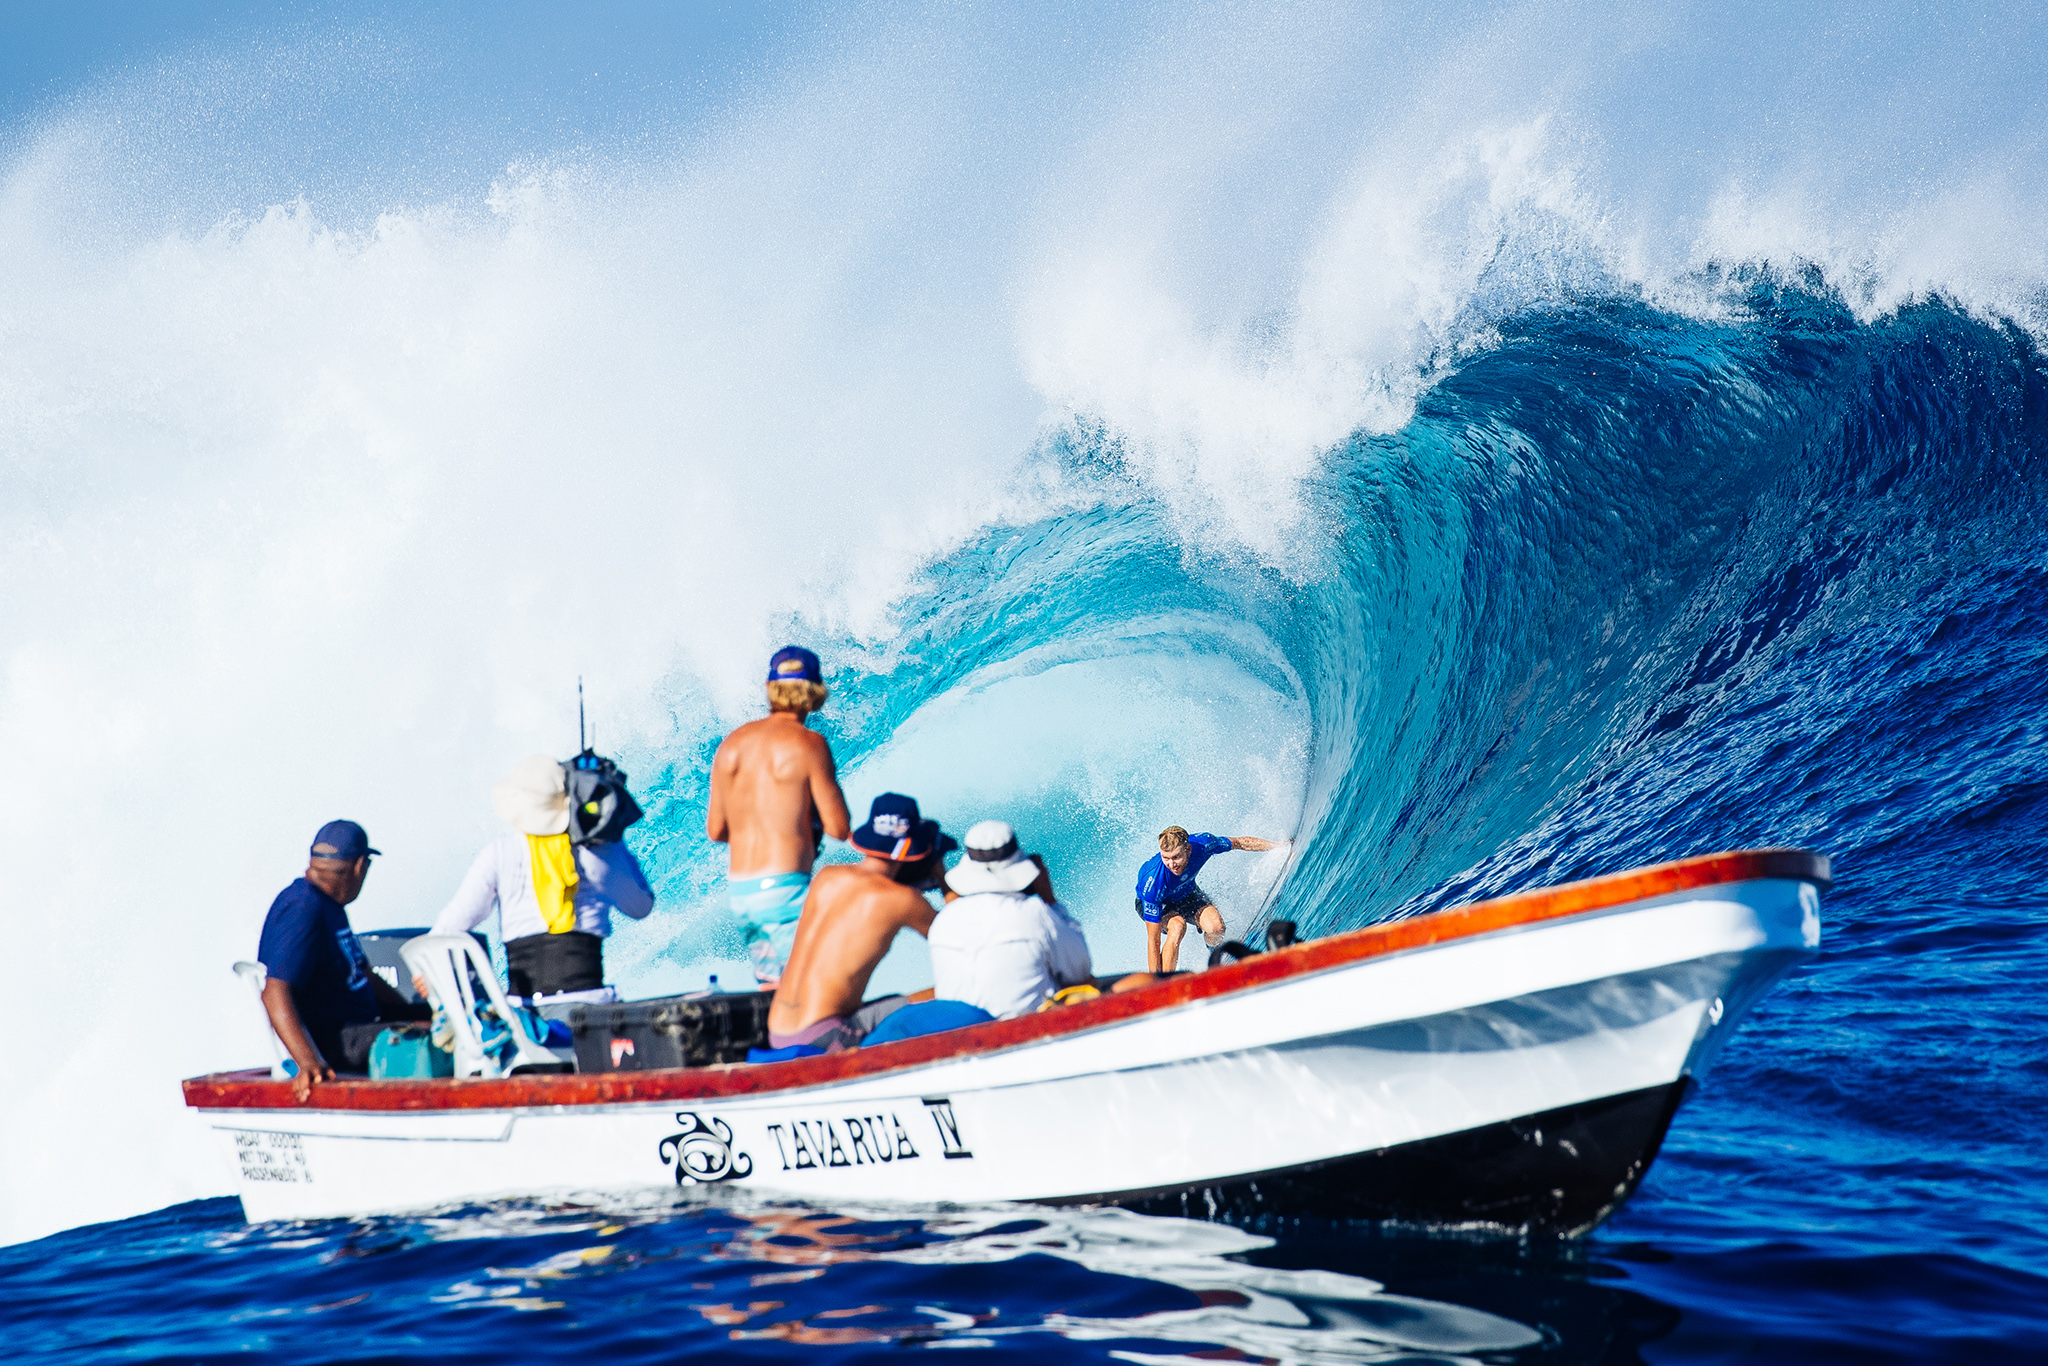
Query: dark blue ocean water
[[1628, 587]]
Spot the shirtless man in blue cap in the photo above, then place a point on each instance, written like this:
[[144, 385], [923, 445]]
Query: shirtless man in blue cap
[[774, 793], [1168, 893]]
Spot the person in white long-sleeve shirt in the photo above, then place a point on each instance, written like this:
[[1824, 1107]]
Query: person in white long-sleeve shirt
[[1004, 944], [560, 948]]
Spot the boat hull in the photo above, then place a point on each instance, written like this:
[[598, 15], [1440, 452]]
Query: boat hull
[[1517, 1079], [1563, 1170]]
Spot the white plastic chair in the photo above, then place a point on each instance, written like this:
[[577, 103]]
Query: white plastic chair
[[445, 961], [255, 974]]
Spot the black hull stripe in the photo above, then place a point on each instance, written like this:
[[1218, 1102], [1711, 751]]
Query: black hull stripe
[[1560, 1171]]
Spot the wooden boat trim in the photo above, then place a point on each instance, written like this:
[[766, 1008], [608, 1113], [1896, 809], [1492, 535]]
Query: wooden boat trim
[[256, 1090]]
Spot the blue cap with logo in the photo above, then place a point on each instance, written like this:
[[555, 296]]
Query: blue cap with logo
[[897, 830], [343, 840], [794, 662]]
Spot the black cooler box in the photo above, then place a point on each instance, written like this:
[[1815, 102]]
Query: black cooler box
[[670, 1031]]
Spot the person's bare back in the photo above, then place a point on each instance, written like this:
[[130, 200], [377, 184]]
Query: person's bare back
[[768, 780], [850, 920], [774, 792]]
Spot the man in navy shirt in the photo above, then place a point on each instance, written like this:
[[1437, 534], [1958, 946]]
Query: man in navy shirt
[[318, 981], [1167, 892]]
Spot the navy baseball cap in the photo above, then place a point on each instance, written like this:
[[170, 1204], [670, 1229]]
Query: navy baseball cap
[[343, 840], [897, 830], [792, 662]]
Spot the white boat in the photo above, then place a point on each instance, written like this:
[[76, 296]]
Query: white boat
[[1511, 1064]]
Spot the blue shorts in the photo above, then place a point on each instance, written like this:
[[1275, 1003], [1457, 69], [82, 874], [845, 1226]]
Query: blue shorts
[[768, 909]]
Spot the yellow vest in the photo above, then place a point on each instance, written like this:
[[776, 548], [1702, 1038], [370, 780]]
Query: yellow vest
[[554, 880]]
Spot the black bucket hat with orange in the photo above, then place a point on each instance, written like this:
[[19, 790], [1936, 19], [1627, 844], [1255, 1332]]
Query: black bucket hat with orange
[[897, 830]]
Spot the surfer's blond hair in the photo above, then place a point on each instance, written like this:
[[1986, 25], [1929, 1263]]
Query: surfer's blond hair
[[799, 695], [1172, 839]]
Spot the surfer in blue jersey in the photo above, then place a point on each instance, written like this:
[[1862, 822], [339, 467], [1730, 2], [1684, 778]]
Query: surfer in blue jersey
[[1169, 899]]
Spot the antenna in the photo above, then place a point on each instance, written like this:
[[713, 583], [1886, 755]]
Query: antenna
[[580, 746]]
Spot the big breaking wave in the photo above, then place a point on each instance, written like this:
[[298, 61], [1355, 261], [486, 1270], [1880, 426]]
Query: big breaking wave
[[1403, 466]]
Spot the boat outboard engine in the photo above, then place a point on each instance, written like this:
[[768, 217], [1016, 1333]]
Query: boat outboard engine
[[1279, 935], [1229, 948], [600, 807]]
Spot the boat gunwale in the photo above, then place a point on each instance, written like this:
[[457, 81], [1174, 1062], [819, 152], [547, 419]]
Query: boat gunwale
[[256, 1090]]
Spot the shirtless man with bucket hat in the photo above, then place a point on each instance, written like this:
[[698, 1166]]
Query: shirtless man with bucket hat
[[849, 922]]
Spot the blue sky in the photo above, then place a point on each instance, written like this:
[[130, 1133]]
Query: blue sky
[[510, 74], [463, 84], [48, 48]]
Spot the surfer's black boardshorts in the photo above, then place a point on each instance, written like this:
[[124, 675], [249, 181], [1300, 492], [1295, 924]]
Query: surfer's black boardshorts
[[1188, 906]]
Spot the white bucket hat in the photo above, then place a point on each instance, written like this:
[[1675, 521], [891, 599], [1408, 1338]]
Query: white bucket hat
[[993, 863], [534, 796]]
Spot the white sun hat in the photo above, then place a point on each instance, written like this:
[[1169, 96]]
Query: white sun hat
[[534, 797], [993, 863]]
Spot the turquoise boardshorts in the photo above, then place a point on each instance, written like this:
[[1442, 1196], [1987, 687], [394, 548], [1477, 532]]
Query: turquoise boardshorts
[[767, 909]]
